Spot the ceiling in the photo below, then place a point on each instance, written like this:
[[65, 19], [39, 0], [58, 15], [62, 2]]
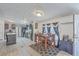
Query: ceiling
[[21, 11]]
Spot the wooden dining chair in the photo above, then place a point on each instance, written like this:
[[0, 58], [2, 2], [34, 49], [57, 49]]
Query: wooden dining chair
[[38, 40], [51, 41]]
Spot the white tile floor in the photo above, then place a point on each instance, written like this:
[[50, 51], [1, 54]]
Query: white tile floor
[[21, 48], [18, 49]]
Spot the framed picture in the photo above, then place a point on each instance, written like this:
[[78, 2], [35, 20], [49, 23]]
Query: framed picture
[[6, 26], [36, 25], [13, 26]]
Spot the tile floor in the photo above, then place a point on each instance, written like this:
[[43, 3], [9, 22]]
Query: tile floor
[[18, 49], [21, 48]]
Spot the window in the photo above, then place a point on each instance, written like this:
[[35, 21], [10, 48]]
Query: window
[[52, 29], [44, 29]]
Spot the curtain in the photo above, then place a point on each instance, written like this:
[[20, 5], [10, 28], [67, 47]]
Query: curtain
[[52, 30], [57, 33], [23, 32], [43, 30], [48, 29], [31, 28], [56, 37]]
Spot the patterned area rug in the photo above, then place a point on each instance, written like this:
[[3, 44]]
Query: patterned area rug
[[48, 52]]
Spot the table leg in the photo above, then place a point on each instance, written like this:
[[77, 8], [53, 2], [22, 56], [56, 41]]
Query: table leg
[[46, 43]]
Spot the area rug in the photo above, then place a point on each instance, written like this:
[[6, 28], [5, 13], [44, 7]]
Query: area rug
[[41, 50]]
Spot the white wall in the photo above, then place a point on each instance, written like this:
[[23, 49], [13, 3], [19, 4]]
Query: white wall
[[18, 31], [34, 30], [76, 35], [64, 28], [1, 30]]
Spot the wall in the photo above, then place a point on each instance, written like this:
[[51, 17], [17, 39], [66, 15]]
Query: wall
[[76, 35], [18, 30], [65, 25], [1, 30], [34, 30]]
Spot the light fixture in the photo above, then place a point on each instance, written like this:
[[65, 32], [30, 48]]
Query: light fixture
[[38, 13], [38, 10]]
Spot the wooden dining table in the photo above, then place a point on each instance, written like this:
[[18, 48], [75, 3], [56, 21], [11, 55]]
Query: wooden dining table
[[44, 39]]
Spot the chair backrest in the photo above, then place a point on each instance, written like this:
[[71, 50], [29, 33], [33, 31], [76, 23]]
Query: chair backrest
[[37, 36], [52, 37]]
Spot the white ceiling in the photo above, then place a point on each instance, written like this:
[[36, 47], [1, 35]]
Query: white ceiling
[[20, 11]]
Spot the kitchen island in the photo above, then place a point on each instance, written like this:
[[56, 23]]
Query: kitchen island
[[11, 38]]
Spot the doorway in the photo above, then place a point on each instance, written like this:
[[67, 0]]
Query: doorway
[[25, 31]]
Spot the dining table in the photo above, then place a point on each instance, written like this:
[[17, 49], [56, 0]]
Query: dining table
[[44, 39]]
